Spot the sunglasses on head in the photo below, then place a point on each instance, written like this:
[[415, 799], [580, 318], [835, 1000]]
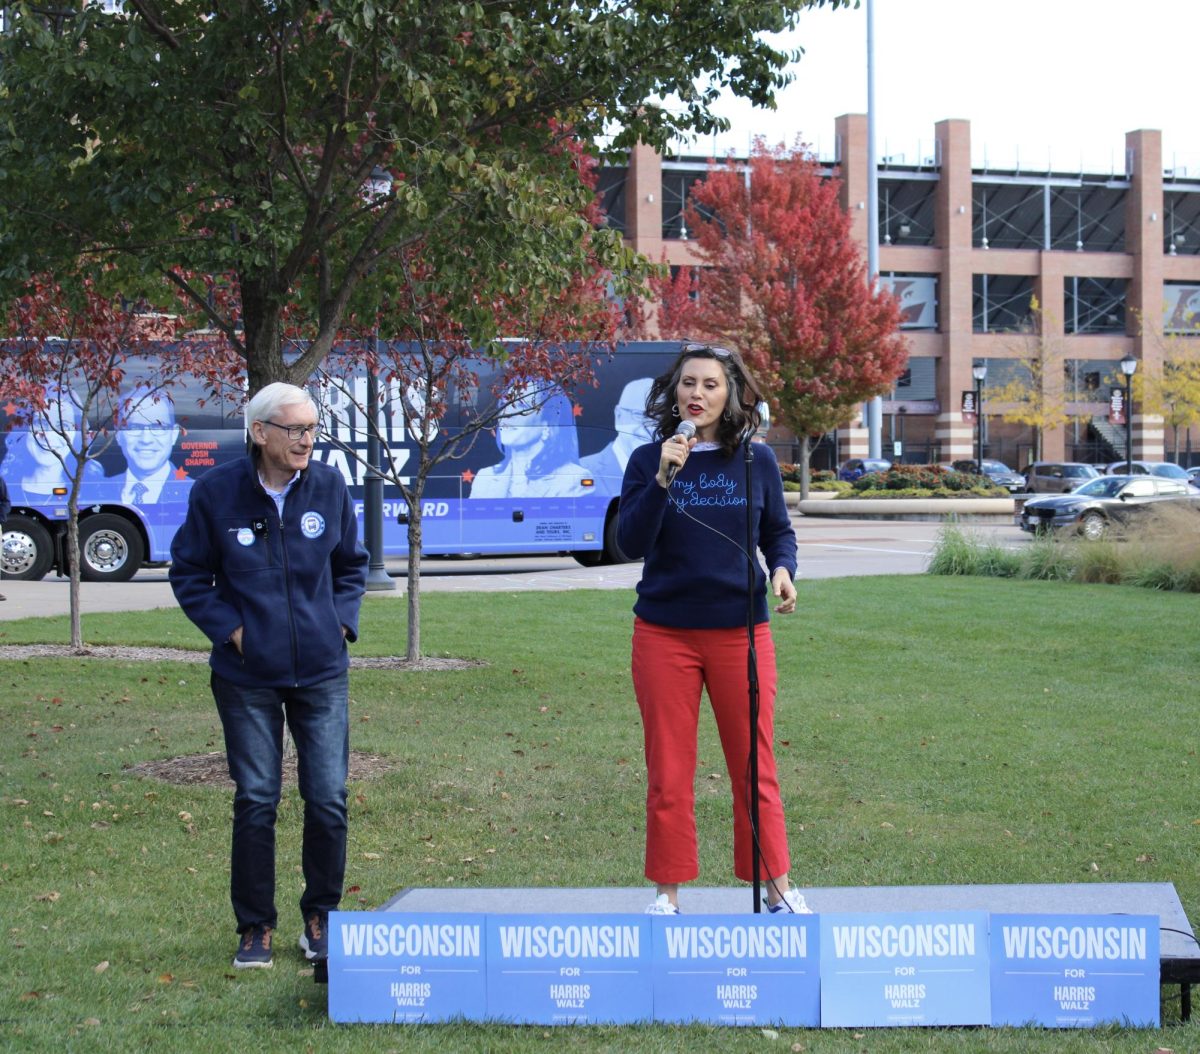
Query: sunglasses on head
[[711, 349]]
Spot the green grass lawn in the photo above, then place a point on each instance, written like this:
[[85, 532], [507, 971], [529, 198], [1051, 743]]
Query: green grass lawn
[[929, 730]]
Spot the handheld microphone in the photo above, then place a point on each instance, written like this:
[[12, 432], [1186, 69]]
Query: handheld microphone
[[687, 430]]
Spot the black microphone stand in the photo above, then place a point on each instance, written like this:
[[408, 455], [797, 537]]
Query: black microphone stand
[[752, 677]]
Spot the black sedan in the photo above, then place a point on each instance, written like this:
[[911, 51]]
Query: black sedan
[[1099, 503]]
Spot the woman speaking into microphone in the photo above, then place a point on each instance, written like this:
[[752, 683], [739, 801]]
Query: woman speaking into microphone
[[683, 508]]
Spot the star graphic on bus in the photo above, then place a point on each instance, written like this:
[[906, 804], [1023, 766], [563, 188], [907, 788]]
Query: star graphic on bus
[[577, 410], [468, 476], [181, 473]]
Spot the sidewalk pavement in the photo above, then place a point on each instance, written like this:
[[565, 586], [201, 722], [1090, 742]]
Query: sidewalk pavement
[[827, 549], [150, 588]]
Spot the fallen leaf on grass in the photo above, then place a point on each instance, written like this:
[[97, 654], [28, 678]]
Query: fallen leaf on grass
[[100, 967], [51, 896]]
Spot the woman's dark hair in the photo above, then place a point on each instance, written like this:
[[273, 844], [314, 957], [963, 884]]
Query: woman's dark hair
[[741, 416]]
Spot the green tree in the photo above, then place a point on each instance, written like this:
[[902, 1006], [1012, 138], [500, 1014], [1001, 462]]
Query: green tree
[[304, 149], [1034, 394], [1173, 394]]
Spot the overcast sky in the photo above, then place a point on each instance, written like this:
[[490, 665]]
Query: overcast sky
[[1044, 83]]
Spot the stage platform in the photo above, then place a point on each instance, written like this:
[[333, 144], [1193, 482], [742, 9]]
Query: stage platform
[[1179, 951]]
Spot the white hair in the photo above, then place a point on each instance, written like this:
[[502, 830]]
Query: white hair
[[273, 397]]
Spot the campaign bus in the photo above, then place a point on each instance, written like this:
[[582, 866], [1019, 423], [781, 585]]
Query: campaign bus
[[544, 479]]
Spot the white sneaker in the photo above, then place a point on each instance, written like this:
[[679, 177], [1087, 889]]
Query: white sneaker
[[792, 902], [662, 906]]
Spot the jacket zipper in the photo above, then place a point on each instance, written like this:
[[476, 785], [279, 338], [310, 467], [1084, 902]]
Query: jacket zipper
[[287, 579]]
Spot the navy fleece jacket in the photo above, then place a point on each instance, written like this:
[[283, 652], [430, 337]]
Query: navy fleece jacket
[[692, 536], [291, 583]]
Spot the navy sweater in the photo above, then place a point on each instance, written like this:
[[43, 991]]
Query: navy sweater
[[291, 583], [694, 578]]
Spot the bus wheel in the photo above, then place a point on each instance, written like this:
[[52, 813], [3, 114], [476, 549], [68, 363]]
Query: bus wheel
[[110, 549], [612, 551], [28, 550], [589, 557]]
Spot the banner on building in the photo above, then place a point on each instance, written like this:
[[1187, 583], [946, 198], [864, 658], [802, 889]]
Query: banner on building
[[1181, 309], [918, 299], [969, 410], [1116, 406]]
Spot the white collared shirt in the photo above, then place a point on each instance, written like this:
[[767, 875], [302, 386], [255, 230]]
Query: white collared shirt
[[279, 496]]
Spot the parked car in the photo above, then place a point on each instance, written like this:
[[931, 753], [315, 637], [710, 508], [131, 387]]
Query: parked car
[[1057, 477], [997, 471], [1094, 507], [1194, 474], [1167, 469], [856, 467]]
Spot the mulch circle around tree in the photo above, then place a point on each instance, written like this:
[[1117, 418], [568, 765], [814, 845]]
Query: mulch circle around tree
[[134, 653], [211, 770]]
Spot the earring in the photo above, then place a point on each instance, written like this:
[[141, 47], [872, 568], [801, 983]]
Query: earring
[[674, 409]]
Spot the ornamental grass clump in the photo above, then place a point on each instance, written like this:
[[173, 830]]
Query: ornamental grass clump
[[1160, 550], [1101, 562], [1048, 560], [958, 553]]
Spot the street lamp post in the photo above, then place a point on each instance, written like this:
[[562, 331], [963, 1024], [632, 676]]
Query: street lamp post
[[1128, 367], [377, 187], [979, 372]]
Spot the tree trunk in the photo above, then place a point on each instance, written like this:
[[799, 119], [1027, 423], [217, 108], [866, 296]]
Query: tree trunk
[[413, 652], [261, 317], [73, 571]]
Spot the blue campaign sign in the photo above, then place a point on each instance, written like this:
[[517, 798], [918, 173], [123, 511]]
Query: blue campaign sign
[[569, 969], [737, 970], [388, 967], [915, 968], [1075, 971]]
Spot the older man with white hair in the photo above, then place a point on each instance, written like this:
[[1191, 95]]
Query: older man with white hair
[[269, 566]]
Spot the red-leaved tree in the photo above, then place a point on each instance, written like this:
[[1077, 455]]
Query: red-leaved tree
[[65, 364], [785, 283]]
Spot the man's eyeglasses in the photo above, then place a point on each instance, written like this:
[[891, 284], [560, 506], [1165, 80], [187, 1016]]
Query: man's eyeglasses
[[711, 349], [158, 431], [295, 432]]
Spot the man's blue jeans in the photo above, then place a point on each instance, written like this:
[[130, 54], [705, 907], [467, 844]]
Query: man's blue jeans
[[318, 718]]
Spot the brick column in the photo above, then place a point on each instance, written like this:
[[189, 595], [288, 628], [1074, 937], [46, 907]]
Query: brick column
[[1048, 287], [855, 174], [853, 163], [1144, 240], [643, 202], [952, 235]]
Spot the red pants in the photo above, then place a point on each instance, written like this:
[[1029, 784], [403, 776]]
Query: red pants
[[670, 667]]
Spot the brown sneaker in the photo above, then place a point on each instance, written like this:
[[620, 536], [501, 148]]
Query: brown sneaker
[[314, 941]]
